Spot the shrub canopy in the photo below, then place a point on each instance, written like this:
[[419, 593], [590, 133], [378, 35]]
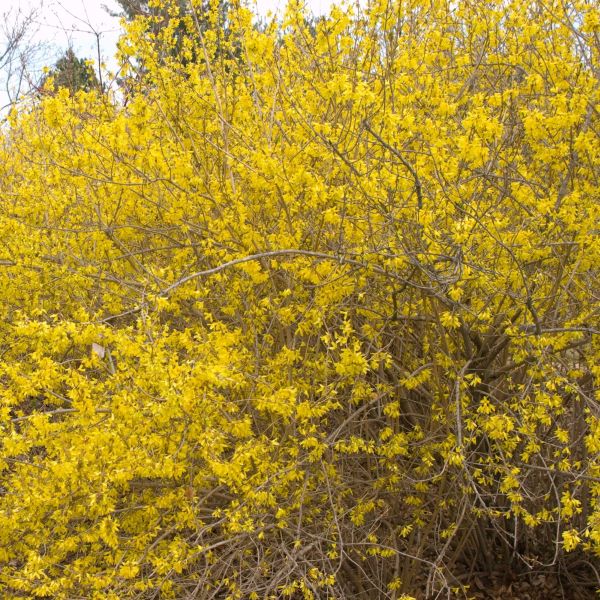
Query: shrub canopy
[[310, 311]]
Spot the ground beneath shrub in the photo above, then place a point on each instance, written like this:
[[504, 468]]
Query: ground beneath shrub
[[538, 586]]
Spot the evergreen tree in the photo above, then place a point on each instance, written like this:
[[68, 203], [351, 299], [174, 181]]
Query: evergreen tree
[[160, 19], [74, 73]]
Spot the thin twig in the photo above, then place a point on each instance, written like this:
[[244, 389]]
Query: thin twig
[[399, 156]]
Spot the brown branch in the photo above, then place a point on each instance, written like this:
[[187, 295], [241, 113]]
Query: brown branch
[[285, 252], [399, 156]]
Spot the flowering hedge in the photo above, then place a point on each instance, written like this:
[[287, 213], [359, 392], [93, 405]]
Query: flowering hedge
[[309, 311]]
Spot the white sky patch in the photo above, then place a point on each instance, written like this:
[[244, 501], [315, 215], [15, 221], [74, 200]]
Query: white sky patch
[[76, 23]]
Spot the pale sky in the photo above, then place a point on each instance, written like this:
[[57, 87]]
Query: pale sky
[[78, 23], [61, 23]]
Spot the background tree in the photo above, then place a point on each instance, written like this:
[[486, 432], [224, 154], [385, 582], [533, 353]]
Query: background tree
[[74, 73], [182, 19], [133, 8]]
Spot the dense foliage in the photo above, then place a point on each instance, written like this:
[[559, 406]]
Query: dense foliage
[[312, 317]]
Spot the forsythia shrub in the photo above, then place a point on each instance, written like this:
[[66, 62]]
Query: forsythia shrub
[[311, 311]]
